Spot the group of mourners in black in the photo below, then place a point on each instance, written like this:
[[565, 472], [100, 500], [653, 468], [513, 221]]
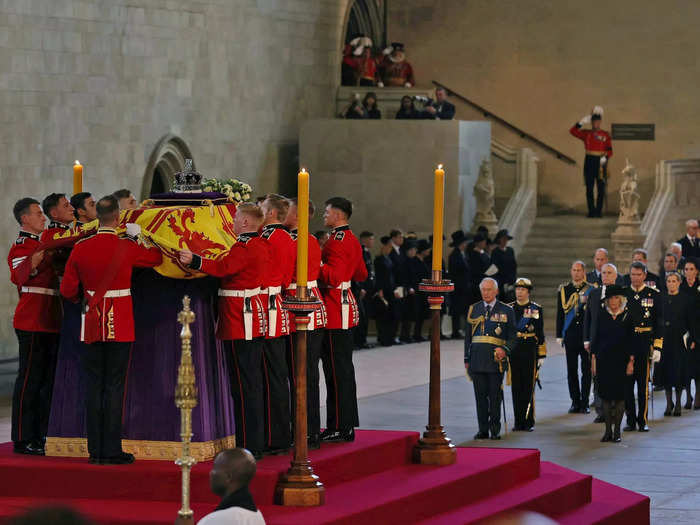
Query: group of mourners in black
[[390, 294], [631, 331]]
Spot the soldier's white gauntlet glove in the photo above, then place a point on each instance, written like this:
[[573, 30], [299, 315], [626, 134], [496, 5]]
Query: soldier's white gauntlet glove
[[133, 229], [603, 160], [656, 356], [584, 120]]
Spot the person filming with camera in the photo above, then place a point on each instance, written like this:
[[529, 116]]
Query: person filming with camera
[[440, 108]]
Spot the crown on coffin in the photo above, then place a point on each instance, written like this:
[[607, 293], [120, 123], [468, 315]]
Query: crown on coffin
[[188, 180]]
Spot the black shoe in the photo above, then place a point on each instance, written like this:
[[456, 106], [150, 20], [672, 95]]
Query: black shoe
[[443, 337], [419, 339], [29, 449], [257, 454], [95, 461], [677, 411], [696, 407], [338, 436], [367, 346], [282, 451], [643, 428], [606, 437], [123, 458], [574, 409], [616, 437], [518, 428], [481, 435], [529, 429], [669, 409], [688, 404], [398, 341], [659, 388], [630, 427], [585, 409], [495, 437], [599, 419], [313, 441]]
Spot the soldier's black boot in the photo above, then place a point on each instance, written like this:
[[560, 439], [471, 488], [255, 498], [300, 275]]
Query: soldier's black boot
[[669, 402], [677, 410]]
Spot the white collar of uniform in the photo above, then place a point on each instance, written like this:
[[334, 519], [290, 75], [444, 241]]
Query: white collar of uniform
[[491, 304]]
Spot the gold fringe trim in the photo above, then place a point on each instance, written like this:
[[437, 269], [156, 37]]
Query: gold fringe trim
[[141, 449]]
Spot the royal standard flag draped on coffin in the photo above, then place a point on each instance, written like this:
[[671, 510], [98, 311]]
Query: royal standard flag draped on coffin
[[206, 230]]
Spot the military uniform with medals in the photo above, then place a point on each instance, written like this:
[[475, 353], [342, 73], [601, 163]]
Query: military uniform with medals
[[644, 307], [489, 327], [529, 349]]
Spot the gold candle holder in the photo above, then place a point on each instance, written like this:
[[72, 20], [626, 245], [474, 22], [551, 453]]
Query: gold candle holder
[[186, 400]]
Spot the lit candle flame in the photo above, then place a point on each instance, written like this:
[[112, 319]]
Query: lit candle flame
[[77, 163], [439, 166]]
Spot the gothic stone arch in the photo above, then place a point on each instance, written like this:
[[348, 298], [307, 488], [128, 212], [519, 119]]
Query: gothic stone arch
[[168, 157]]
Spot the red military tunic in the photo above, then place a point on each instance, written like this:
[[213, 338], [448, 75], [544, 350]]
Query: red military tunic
[[319, 319], [242, 272], [279, 274], [59, 255], [596, 142], [102, 265], [342, 264], [39, 307]]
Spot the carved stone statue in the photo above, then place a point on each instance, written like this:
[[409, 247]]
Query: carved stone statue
[[485, 194], [629, 198]]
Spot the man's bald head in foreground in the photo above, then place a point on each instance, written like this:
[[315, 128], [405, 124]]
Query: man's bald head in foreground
[[233, 469]]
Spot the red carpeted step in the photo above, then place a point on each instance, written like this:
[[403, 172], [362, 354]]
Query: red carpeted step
[[413, 492], [610, 505], [107, 511], [557, 490], [371, 452]]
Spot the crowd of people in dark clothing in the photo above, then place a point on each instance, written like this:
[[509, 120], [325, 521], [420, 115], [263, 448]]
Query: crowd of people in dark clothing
[[391, 297], [438, 108]]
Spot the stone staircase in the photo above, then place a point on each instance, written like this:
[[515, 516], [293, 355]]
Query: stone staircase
[[554, 242]]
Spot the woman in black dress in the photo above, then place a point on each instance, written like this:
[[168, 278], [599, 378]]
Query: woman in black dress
[[677, 311], [691, 287], [613, 359]]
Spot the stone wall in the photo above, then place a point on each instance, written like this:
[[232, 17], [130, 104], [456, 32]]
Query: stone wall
[[103, 81], [542, 65]]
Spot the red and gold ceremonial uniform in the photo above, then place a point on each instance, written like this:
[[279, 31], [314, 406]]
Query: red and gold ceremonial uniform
[[342, 263], [318, 320], [102, 264], [598, 144], [396, 74], [242, 324], [37, 322], [279, 275], [242, 272]]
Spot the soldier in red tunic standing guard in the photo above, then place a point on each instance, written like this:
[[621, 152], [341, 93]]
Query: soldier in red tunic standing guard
[[100, 267], [342, 263], [598, 146]]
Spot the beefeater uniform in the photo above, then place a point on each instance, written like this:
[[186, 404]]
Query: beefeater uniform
[[37, 322], [99, 271], [488, 328], [282, 250], [242, 325], [314, 341], [342, 263], [529, 348], [645, 309], [598, 144]]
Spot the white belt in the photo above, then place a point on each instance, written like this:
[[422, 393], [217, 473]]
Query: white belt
[[39, 290], [272, 290], [113, 293], [252, 292], [345, 285], [309, 284]]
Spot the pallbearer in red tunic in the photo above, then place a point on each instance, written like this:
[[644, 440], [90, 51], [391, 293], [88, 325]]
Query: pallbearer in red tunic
[[342, 264], [278, 431], [242, 322], [598, 146], [60, 213], [100, 267], [315, 329], [37, 322]]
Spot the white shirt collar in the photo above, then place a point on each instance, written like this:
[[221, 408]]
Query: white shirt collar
[[491, 304]]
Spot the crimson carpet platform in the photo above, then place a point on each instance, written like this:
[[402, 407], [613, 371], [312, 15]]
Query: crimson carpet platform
[[369, 481]]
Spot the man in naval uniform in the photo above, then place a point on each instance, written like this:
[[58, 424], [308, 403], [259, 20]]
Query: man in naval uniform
[[527, 355], [489, 339]]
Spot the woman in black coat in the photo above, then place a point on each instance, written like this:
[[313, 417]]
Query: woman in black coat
[[691, 287], [678, 310], [613, 359]]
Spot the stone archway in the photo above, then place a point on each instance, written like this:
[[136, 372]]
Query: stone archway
[[168, 158], [367, 17]]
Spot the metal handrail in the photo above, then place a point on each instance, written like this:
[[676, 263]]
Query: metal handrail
[[523, 134]]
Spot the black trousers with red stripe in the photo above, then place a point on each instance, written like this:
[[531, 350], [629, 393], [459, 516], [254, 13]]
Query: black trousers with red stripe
[[244, 360], [31, 401], [278, 423], [314, 343], [105, 365], [341, 400]]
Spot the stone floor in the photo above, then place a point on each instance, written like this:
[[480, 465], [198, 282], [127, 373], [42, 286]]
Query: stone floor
[[393, 394]]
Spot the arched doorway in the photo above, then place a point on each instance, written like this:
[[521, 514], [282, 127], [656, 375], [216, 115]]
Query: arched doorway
[[368, 18], [167, 159]]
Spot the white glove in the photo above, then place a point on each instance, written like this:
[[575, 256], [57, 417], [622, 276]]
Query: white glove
[[584, 120], [408, 84], [366, 41], [355, 41], [656, 356], [380, 84], [133, 229], [603, 160], [358, 51], [387, 50], [540, 361], [560, 341]]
